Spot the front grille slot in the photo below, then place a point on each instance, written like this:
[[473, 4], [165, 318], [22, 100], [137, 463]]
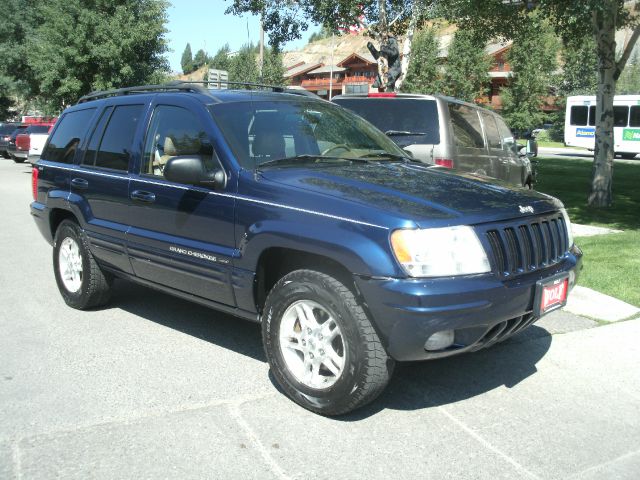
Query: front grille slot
[[528, 246]]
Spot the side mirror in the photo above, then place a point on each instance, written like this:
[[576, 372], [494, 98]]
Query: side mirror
[[522, 150], [191, 170], [532, 148]]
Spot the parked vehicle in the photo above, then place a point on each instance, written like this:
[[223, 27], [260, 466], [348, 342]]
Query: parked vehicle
[[6, 129], [445, 131], [11, 143], [580, 123], [298, 214], [29, 143]]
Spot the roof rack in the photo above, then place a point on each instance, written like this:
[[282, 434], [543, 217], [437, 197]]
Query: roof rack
[[165, 87], [187, 86]]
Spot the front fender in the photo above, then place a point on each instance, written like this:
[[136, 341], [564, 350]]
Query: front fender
[[361, 249]]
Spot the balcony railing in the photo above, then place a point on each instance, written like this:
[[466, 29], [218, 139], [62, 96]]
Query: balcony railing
[[337, 82]]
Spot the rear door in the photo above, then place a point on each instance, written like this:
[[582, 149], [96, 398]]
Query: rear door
[[470, 151], [181, 235], [102, 181]]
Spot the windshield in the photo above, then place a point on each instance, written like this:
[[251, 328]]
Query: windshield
[[408, 121], [264, 132]]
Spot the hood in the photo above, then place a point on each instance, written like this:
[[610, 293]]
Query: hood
[[426, 195]]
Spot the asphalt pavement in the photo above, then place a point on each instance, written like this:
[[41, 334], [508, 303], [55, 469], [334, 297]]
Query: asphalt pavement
[[154, 387]]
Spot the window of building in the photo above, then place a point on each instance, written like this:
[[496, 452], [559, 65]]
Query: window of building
[[352, 88]]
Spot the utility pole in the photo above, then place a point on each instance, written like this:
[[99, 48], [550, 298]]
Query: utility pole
[[331, 71]]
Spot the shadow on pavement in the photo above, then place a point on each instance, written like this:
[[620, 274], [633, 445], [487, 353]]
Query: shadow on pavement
[[227, 331], [440, 382], [413, 386]]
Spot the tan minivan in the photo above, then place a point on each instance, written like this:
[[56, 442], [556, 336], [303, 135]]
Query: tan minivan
[[448, 132]]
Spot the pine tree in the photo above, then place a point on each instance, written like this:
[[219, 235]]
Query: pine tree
[[422, 76], [200, 59], [187, 60], [466, 71], [244, 66], [221, 59], [273, 68]]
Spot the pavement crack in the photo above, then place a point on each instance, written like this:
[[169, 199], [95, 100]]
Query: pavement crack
[[234, 409], [604, 464], [488, 445]]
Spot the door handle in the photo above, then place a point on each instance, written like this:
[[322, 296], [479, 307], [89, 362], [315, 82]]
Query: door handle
[[80, 183], [142, 196]]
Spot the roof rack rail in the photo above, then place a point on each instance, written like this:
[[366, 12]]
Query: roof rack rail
[[165, 87], [273, 88]]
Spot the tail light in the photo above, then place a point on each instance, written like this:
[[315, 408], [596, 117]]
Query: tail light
[[444, 162], [34, 182], [23, 142]]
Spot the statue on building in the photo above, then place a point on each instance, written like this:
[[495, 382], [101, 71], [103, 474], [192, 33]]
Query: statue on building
[[388, 58]]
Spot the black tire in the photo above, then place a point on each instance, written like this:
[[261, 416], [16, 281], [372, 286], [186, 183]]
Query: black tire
[[628, 156], [95, 287], [5, 155], [18, 160], [367, 367]]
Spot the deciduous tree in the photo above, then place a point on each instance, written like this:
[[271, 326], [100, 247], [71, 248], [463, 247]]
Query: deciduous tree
[[422, 76], [465, 72], [97, 45]]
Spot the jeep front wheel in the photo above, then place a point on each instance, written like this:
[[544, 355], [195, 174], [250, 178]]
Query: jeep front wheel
[[321, 346], [80, 280]]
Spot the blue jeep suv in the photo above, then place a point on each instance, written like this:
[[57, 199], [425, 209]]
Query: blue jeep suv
[[296, 213]]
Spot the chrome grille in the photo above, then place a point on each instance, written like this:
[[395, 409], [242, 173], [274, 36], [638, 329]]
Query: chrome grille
[[528, 246]]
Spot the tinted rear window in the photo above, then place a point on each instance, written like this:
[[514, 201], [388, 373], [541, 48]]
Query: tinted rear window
[[401, 115], [68, 135], [38, 129], [6, 129]]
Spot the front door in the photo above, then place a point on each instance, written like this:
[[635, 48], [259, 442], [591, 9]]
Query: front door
[[181, 236]]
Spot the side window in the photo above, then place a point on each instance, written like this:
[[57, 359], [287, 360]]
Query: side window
[[579, 115], [466, 126], [634, 117], [64, 142], [620, 116], [508, 143], [113, 151], [96, 136], [592, 116], [491, 129], [175, 131]]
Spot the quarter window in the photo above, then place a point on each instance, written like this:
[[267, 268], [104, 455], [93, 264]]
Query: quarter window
[[175, 131], [115, 146], [64, 142]]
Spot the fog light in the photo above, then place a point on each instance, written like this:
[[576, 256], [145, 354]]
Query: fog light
[[439, 340]]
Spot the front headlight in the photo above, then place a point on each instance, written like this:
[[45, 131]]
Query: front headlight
[[567, 222], [440, 252]]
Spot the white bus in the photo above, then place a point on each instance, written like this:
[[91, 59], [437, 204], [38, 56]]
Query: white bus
[[580, 123]]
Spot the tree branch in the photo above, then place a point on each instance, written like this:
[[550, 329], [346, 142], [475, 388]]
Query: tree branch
[[620, 64], [397, 18]]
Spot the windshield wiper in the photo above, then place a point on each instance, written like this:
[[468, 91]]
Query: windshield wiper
[[392, 156], [304, 158], [397, 133]]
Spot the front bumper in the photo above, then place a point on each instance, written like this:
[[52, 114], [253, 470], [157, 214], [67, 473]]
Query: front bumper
[[481, 309]]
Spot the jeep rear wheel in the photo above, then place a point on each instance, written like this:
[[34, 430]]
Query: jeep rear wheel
[[80, 280], [321, 346]]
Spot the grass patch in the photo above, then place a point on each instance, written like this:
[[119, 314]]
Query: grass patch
[[570, 181], [612, 265], [611, 262], [550, 144]]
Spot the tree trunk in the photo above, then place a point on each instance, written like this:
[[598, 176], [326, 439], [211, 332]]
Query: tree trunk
[[604, 24], [406, 46]]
